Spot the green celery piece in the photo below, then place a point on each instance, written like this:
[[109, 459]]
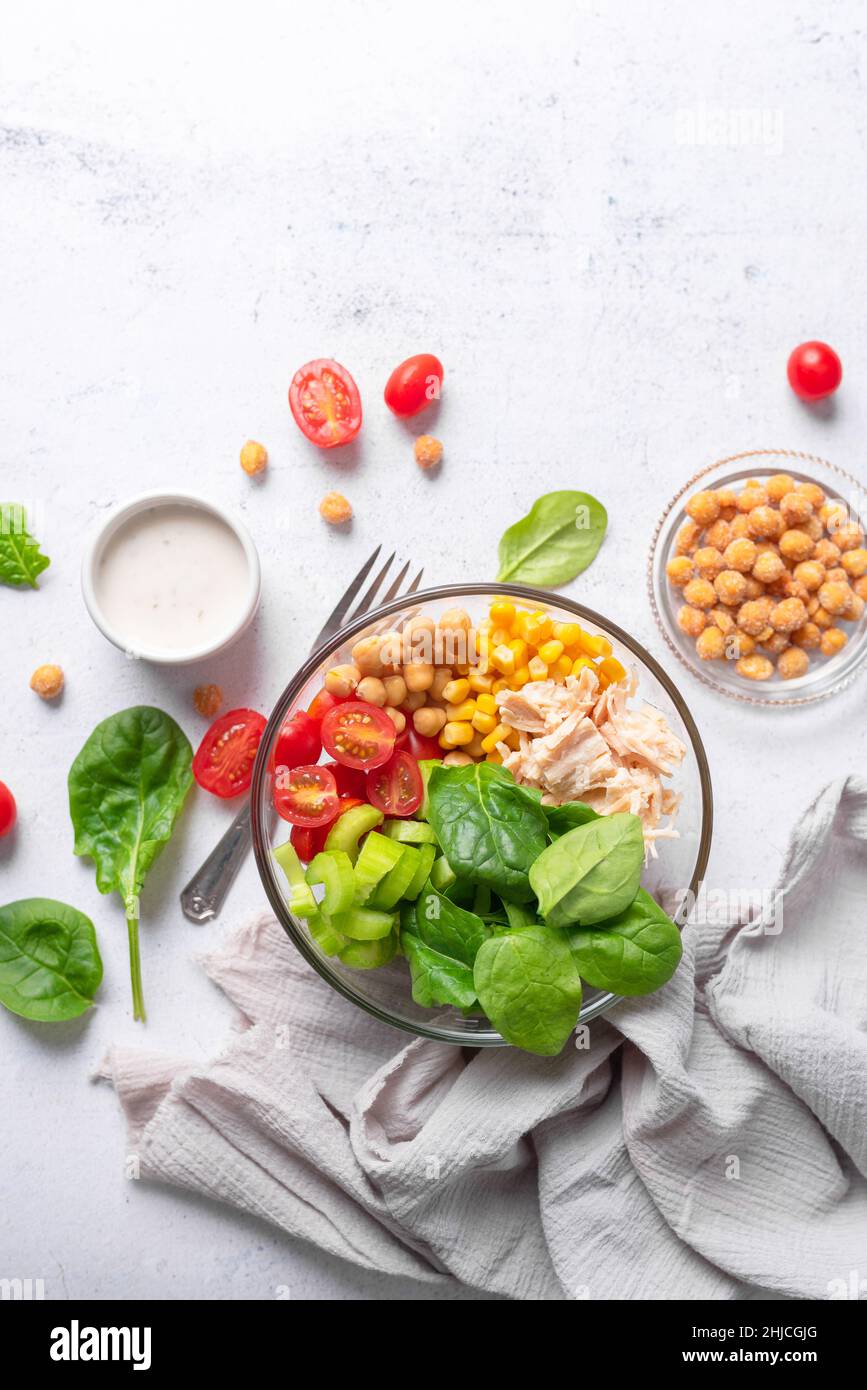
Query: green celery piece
[[378, 856], [427, 854], [348, 829], [393, 887], [363, 924], [333, 868], [329, 941], [369, 955], [442, 875], [413, 832], [301, 899], [426, 767]]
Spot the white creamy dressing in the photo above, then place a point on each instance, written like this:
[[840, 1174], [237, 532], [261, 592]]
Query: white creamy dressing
[[173, 577]]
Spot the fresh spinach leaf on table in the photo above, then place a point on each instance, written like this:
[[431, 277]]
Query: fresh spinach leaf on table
[[590, 873], [21, 560], [633, 953], [491, 830], [126, 790], [555, 541], [50, 967], [529, 987]]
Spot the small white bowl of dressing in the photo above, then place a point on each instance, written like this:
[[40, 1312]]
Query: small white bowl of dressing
[[171, 577]]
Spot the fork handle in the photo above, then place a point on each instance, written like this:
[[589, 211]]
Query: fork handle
[[206, 891]]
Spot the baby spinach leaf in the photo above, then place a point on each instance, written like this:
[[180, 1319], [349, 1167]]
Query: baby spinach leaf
[[590, 873], [557, 539], [490, 829], [436, 978], [633, 953], [20, 557], [446, 927], [126, 789], [50, 967], [529, 987], [567, 816]]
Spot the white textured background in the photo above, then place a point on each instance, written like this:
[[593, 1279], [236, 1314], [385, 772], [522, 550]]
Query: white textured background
[[197, 199]]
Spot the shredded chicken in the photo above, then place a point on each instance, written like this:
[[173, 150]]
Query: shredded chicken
[[577, 744]]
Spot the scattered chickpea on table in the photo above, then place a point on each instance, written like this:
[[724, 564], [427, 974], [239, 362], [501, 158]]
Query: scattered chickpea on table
[[335, 509], [47, 681], [767, 574]]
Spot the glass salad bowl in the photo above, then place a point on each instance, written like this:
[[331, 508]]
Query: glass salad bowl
[[826, 674], [677, 871]]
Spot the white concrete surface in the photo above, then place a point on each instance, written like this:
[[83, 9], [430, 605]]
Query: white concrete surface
[[196, 200]]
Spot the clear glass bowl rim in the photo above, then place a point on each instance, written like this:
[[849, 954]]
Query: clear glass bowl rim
[[260, 828]]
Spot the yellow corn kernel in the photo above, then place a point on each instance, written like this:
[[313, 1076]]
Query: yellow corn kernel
[[456, 691], [519, 647], [520, 678], [456, 734], [550, 650], [538, 628], [484, 723], [538, 668], [502, 612], [504, 659], [519, 626], [494, 757], [498, 686], [483, 639], [567, 633], [463, 670], [512, 740], [480, 682], [563, 665], [611, 669], [486, 704], [580, 664], [500, 637], [594, 644], [497, 735], [461, 713]]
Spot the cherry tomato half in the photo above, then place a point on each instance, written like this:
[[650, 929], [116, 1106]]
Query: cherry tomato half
[[306, 795], [396, 787], [419, 746], [310, 840], [297, 742], [224, 760], [325, 403], [814, 371], [8, 810], [358, 735], [414, 384], [322, 703]]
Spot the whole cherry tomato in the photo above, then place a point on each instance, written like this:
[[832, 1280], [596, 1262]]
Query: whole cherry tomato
[[418, 745], [322, 702], [297, 742], [414, 384], [814, 371], [8, 810], [310, 840]]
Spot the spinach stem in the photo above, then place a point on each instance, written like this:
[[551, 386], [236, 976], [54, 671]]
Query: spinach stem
[[138, 1008]]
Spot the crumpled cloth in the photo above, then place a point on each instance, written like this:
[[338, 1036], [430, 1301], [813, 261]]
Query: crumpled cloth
[[712, 1137]]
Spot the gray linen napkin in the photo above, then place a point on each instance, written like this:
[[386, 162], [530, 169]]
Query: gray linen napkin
[[712, 1136]]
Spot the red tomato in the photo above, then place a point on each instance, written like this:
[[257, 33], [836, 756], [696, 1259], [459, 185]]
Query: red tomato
[[350, 782], [322, 703], [814, 371], [414, 384], [297, 742], [224, 760], [325, 403], [311, 841], [358, 735], [396, 787], [8, 810], [306, 795], [418, 745]]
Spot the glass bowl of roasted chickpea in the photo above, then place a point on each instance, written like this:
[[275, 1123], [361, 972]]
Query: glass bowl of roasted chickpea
[[362, 663], [758, 577]]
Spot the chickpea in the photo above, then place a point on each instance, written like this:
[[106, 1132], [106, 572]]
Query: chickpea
[[718, 535], [687, 538], [371, 690], [796, 545], [365, 655], [397, 717], [856, 608], [679, 570], [727, 498], [428, 451], [700, 593], [827, 553], [692, 621], [740, 644], [335, 509], [740, 527], [414, 700], [812, 492], [254, 458], [342, 680], [755, 588], [778, 486], [811, 574], [768, 567], [711, 644], [813, 527], [47, 682], [207, 700], [455, 620], [457, 758], [765, 524], [753, 495], [834, 598], [703, 508], [822, 619], [442, 677], [812, 604], [837, 575], [833, 641], [854, 562], [861, 588], [766, 635], [730, 587], [849, 537], [788, 615], [723, 619], [793, 663], [795, 508], [419, 676], [709, 562], [741, 555], [753, 616], [395, 690], [391, 651], [776, 643], [809, 637], [755, 668], [833, 514], [429, 721]]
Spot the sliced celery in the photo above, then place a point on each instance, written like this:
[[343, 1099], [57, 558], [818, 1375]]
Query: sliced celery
[[301, 900], [412, 832], [426, 767], [333, 868], [395, 884], [348, 829], [363, 924], [426, 856], [331, 942], [442, 875], [378, 857], [368, 955]]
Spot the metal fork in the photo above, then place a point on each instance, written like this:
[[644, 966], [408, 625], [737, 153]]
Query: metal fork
[[206, 891]]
